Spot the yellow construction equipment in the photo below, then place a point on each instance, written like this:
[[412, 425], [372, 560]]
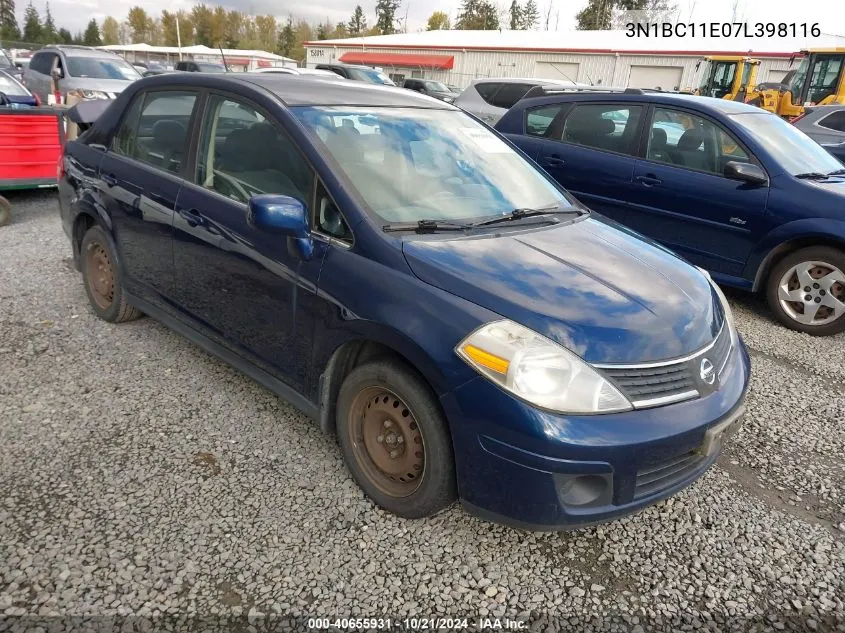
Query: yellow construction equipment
[[727, 77], [818, 80]]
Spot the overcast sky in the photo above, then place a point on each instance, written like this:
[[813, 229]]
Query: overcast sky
[[830, 14]]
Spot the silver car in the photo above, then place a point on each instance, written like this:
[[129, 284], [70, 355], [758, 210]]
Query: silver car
[[824, 124], [88, 73], [489, 99]]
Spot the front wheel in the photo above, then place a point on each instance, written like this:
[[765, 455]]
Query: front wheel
[[806, 290], [395, 440]]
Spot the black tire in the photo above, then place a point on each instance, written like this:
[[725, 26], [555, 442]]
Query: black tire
[[103, 284], [828, 257], [435, 485], [5, 211]]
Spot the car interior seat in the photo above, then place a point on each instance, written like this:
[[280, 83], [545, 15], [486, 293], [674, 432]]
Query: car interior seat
[[168, 142], [689, 152], [658, 148]]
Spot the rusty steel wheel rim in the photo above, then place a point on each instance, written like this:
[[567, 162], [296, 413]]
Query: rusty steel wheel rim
[[100, 275], [387, 441]]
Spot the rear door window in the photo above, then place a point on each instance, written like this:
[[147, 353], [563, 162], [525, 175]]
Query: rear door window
[[155, 129], [608, 127], [42, 63], [538, 120]]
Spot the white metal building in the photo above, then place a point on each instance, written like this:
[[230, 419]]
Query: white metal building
[[236, 59], [608, 58]]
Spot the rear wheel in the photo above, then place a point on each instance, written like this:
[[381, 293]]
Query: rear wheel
[[395, 441], [806, 290], [103, 280]]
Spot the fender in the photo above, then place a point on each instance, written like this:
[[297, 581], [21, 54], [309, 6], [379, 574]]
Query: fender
[[786, 237]]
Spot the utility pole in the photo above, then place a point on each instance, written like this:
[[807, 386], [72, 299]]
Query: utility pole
[[178, 37]]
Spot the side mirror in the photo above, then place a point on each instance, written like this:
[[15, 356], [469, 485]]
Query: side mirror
[[746, 172], [283, 215]]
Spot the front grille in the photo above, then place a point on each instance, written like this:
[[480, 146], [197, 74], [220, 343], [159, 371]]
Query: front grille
[[665, 474], [641, 386], [655, 384]]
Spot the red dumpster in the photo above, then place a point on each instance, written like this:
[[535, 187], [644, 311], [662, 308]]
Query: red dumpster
[[30, 145]]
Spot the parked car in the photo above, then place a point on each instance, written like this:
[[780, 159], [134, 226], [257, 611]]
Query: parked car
[[314, 72], [732, 188], [824, 124], [13, 91], [489, 99], [199, 67], [431, 88], [393, 268], [89, 73], [7, 65], [358, 73]]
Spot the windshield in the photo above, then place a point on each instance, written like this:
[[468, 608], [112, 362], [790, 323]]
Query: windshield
[[371, 76], [5, 60], [101, 68], [413, 164], [211, 68], [11, 87], [796, 152], [436, 86], [797, 81], [718, 79]]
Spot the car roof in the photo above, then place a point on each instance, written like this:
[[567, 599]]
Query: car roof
[[534, 81], [78, 51], [298, 90], [706, 104], [361, 66]]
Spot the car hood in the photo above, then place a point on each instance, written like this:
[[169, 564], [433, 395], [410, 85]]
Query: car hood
[[602, 292], [834, 185]]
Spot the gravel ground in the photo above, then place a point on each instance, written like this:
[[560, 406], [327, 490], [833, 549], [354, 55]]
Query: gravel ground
[[143, 477]]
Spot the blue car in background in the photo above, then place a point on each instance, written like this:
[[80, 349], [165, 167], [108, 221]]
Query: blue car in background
[[13, 91], [730, 187], [401, 274]]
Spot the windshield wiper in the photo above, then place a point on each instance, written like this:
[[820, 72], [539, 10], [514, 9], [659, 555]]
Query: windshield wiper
[[426, 226], [836, 172], [812, 175], [518, 214]]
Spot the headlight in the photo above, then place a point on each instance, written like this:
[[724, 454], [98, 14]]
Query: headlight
[[538, 370], [89, 94]]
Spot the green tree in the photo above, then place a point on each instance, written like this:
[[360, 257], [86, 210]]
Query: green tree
[[64, 36], [140, 25], [386, 16], [201, 17], [233, 31], [322, 32], [478, 15], [31, 25], [515, 16], [110, 31], [530, 16], [49, 35], [266, 32], [438, 21], [358, 23], [8, 23], [287, 38], [92, 34]]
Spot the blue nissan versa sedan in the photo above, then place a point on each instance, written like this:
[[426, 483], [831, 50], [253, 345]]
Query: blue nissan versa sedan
[[731, 187], [399, 272]]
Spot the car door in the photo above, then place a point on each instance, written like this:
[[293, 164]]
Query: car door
[[140, 177], [38, 79], [681, 197], [590, 149], [239, 285]]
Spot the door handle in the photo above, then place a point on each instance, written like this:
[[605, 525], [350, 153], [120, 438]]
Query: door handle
[[192, 217], [109, 179], [649, 181], [553, 160]]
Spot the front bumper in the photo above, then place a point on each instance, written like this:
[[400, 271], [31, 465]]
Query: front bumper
[[532, 469]]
